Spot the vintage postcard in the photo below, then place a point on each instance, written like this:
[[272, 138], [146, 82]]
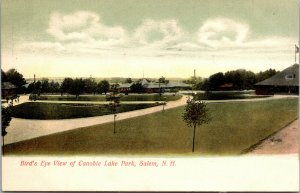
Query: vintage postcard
[[148, 95]]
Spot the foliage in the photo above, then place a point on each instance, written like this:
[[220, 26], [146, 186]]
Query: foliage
[[196, 113], [3, 76], [103, 86], [137, 88], [66, 85], [77, 87], [15, 77], [163, 80], [239, 79], [128, 80], [6, 113], [90, 85]]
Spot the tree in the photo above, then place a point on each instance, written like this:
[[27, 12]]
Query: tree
[[196, 113], [137, 87], [6, 113], [103, 86], [128, 80], [3, 76], [77, 87], [90, 85], [114, 102], [66, 85], [54, 87], [15, 77], [45, 85], [163, 80]]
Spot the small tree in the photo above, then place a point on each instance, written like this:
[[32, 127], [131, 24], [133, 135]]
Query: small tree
[[196, 113], [114, 102]]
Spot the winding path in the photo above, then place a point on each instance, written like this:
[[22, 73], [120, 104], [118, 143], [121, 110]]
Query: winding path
[[24, 129]]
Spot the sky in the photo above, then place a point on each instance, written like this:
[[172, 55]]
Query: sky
[[129, 38]]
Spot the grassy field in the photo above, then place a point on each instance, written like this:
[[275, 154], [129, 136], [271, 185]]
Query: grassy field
[[130, 97], [234, 127], [45, 111]]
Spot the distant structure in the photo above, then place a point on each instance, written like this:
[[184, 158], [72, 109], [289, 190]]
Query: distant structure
[[194, 74], [284, 82], [154, 87]]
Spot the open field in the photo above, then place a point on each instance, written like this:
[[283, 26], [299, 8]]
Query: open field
[[130, 97], [234, 127], [32, 110]]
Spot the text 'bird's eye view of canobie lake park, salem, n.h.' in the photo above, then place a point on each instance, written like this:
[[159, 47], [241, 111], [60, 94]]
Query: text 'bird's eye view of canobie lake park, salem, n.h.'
[[149, 78]]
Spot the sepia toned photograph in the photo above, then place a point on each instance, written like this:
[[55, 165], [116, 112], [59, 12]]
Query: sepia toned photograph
[[134, 82]]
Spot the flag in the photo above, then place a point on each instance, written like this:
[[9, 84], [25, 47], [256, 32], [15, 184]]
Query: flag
[[296, 49]]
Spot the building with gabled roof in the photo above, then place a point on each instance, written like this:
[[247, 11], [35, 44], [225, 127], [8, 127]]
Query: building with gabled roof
[[286, 81]]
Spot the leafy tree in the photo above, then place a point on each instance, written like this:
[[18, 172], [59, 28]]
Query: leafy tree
[[90, 85], [6, 113], [54, 87], [103, 86], [163, 80], [15, 77], [77, 87], [137, 87], [45, 85], [196, 113], [3, 76], [265, 74], [66, 85], [128, 80]]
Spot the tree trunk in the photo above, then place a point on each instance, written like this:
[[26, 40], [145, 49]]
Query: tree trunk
[[3, 145], [194, 138]]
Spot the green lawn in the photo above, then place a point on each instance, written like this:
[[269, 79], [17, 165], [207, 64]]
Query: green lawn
[[234, 127], [130, 97], [32, 110]]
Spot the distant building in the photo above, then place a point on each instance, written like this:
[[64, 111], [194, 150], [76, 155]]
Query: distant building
[[286, 81], [154, 87], [8, 89]]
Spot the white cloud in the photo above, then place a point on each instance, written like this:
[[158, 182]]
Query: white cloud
[[84, 26], [41, 46], [220, 32], [152, 32]]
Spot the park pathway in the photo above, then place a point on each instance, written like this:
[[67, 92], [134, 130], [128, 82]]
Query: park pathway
[[24, 129], [283, 142]]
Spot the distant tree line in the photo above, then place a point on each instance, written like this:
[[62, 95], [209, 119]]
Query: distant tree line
[[231, 80], [72, 86]]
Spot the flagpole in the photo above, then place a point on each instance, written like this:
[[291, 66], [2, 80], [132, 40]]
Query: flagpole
[[295, 53]]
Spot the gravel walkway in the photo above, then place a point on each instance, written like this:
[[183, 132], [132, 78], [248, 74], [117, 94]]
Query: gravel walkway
[[284, 142]]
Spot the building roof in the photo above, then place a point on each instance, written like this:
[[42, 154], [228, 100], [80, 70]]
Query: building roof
[[287, 77], [177, 84], [7, 86]]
